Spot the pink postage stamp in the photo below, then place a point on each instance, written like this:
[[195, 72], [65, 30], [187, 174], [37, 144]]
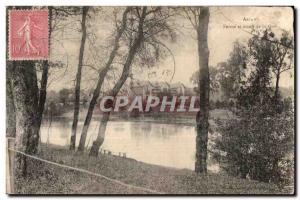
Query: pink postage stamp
[[28, 35]]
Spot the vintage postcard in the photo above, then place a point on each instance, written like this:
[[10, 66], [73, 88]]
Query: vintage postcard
[[150, 100]]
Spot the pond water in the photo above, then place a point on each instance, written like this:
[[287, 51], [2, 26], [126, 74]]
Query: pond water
[[170, 145]]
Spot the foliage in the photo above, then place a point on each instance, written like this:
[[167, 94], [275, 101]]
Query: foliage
[[256, 143], [63, 95], [232, 72], [214, 84], [257, 89], [283, 53], [228, 76]]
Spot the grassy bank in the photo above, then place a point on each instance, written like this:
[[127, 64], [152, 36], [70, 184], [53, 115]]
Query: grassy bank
[[48, 179]]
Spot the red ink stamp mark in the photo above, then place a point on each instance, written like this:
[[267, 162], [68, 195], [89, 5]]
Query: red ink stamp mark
[[28, 35]]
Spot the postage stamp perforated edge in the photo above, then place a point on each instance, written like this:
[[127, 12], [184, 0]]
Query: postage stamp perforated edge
[[9, 38]]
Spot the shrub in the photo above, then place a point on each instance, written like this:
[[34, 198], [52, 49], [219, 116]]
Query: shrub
[[256, 143]]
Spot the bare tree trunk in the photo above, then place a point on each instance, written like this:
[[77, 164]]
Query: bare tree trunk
[[276, 95], [42, 91], [78, 78], [125, 73], [10, 107], [101, 134], [203, 114], [25, 93], [101, 77], [44, 79]]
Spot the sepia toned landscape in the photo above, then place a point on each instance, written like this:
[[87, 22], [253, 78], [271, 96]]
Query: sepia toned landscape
[[150, 100]]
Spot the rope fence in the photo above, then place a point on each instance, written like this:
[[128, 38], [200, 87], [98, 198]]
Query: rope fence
[[87, 172]]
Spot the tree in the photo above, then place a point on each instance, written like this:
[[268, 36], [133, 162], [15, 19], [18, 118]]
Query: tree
[[282, 57], [257, 89], [55, 15], [63, 96], [44, 78], [199, 19], [227, 77], [213, 76], [142, 36], [44, 66], [232, 72], [24, 107], [25, 96], [10, 107], [204, 83], [78, 78], [125, 73], [256, 142], [101, 77]]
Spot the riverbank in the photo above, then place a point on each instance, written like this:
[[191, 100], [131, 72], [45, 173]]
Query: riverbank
[[45, 178], [164, 118]]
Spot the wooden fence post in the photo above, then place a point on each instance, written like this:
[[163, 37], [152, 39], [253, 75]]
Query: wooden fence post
[[10, 157]]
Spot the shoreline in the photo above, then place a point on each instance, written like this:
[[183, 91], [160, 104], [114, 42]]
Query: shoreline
[[49, 179], [161, 119]]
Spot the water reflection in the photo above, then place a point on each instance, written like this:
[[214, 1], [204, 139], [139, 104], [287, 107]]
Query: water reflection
[[170, 145]]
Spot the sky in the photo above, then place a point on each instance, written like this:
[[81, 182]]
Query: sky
[[222, 33]]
